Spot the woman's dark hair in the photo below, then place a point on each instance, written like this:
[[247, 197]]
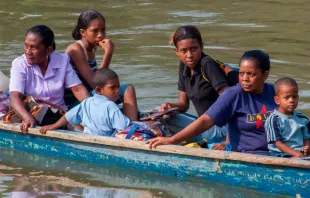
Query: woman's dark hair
[[102, 76], [83, 22], [186, 32], [258, 56], [46, 34]]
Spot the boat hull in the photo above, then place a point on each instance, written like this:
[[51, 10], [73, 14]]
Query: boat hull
[[269, 177]]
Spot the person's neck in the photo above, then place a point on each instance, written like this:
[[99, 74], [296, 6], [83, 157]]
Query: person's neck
[[283, 111], [89, 47], [43, 66]]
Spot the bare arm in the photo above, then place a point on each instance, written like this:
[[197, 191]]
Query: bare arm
[[61, 122], [80, 92], [182, 104], [200, 125], [108, 47], [286, 149], [77, 57], [16, 100]]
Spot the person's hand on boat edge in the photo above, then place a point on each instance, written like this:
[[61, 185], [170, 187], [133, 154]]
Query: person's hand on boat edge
[[154, 142], [219, 147], [28, 123], [46, 128], [306, 150]]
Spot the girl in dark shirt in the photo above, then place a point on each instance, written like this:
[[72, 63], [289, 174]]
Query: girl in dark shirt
[[192, 85]]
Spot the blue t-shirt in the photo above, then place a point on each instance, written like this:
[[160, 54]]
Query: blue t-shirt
[[98, 115], [245, 114], [290, 129]]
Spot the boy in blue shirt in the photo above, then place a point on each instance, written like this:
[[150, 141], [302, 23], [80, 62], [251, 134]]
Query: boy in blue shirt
[[99, 115], [287, 130]]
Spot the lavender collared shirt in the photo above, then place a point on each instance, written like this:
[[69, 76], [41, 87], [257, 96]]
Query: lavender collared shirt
[[29, 80]]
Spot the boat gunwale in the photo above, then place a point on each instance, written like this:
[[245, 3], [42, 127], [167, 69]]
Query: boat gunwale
[[172, 149]]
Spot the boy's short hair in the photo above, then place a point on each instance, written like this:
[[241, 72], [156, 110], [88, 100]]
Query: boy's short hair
[[286, 81], [102, 76]]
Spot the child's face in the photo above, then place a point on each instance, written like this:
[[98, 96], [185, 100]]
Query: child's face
[[189, 52], [95, 31], [287, 99], [110, 90]]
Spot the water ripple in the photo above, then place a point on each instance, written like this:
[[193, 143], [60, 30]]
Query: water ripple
[[251, 25], [30, 16], [196, 14]]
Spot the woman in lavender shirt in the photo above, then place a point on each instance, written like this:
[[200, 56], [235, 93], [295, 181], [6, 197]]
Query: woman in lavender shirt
[[43, 73]]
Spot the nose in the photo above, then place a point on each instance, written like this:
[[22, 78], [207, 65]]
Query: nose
[[245, 77], [291, 100], [117, 91], [189, 54], [101, 35]]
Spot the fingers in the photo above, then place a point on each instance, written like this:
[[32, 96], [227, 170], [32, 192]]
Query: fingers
[[153, 142], [164, 107], [26, 124], [43, 130], [24, 127], [107, 45], [218, 147]]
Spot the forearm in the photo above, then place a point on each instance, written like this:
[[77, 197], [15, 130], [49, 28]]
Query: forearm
[[60, 123], [106, 60], [80, 92], [202, 124], [182, 107], [286, 149], [18, 105]]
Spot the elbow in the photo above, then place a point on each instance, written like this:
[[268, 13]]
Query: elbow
[[80, 92]]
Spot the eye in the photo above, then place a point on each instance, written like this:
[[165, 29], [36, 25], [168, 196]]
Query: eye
[[241, 73], [194, 49], [183, 51]]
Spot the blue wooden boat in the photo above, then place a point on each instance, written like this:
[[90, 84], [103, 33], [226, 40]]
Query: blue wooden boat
[[261, 173]]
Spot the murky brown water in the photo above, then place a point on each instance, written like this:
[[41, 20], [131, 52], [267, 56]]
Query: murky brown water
[[141, 30]]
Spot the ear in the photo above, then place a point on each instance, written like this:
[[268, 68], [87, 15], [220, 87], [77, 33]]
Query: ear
[[50, 49], [176, 52], [97, 90], [82, 32], [277, 100], [265, 74]]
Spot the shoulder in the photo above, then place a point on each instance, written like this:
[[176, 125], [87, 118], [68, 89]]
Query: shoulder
[[269, 89], [181, 66], [111, 106], [234, 90], [55, 55], [19, 61], [230, 95], [301, 116], [205, 59], [73, 47], [272, 121], [274, 116]]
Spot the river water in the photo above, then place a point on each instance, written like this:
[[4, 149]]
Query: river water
[[141, 29]]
